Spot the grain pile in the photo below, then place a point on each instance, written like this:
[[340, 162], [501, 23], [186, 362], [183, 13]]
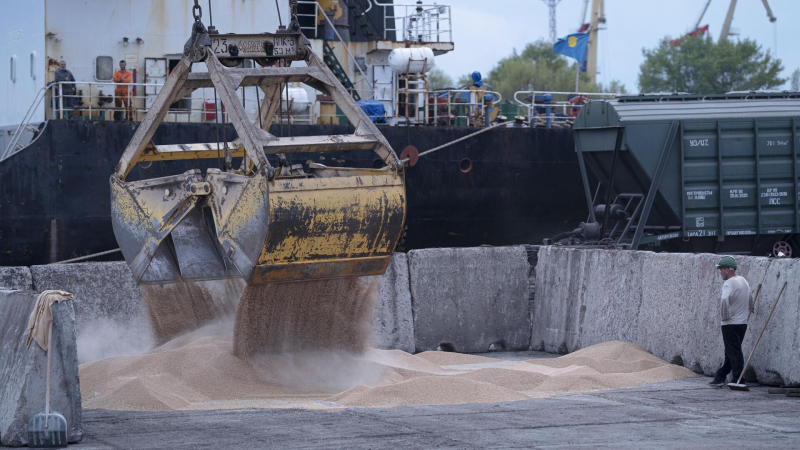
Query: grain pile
[[201, 372]]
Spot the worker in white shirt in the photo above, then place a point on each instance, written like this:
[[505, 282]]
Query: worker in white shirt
[[734, 305]]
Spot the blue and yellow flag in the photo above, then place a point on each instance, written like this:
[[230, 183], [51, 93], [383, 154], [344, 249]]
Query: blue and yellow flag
[[574, 46]]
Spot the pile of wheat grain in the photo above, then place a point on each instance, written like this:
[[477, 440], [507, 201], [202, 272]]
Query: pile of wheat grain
[[204, 374]]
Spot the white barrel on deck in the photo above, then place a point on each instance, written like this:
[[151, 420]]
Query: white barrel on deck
[[298, 100], [411, 60]]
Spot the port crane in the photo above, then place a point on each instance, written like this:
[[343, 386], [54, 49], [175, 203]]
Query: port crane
[[726, 26], [597, 17], [551, 7]]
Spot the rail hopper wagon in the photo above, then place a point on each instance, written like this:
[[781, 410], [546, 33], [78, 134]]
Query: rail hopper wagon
[[691, 173]]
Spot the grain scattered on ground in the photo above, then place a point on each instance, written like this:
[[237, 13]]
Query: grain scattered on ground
[[201, 372]]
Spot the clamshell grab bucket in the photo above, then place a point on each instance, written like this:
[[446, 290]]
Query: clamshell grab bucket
[[260, 223], [293, 229]]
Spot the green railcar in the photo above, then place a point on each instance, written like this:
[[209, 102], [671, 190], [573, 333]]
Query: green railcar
[[696, 173]]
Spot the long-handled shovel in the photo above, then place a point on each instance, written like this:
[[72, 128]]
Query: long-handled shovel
[[739, 386], [48, 429], [755, 299]]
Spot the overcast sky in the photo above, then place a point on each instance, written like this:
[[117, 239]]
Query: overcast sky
[[486, 30]]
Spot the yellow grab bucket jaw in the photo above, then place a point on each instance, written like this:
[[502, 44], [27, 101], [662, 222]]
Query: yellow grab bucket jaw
[[332, 227]]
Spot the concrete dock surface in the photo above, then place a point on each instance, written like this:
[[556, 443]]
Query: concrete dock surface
[[685, 413]]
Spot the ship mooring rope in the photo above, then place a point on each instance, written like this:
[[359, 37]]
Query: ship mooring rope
[[461, 139], [107, 252]]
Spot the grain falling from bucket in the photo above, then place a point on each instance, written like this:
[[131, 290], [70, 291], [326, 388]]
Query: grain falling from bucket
[[182, 307], [309, 315]]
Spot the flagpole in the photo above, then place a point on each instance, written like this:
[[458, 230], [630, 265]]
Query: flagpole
[[578, 70]]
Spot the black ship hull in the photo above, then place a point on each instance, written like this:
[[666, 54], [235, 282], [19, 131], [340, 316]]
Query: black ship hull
[[522, 185]]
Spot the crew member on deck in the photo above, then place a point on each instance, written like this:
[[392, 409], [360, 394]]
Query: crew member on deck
[[66, 90], [122, 93]]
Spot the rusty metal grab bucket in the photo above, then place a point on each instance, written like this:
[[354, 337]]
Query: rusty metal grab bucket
[[259, 223]]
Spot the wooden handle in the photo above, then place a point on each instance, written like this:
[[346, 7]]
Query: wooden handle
[[755, 299], [47, 377], [762, 333]]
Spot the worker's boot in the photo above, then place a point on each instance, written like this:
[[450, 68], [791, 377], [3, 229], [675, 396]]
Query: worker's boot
[[717, 381]]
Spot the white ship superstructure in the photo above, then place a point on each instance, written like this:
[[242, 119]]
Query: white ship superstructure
[[355, 37]]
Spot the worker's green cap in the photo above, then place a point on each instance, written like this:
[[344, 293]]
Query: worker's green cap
[[727, 262]]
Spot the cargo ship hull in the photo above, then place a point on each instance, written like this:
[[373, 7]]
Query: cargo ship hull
[[507, 186]]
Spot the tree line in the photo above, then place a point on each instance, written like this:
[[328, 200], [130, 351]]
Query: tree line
[[692, 64]]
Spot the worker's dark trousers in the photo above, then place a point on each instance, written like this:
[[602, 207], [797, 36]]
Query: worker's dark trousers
[[732, 336]]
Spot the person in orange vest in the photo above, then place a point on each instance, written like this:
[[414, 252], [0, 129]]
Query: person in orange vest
[[122, 93]]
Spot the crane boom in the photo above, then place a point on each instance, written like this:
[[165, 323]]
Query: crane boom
[[597, 17], [726, 27], [584, 11], [769, 11], [702, 14]]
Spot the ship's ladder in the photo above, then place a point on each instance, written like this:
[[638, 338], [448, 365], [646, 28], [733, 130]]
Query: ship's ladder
[[25, 125], [333, 63]]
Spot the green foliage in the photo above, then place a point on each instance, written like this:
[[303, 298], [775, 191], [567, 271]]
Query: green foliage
[[438, 79], [536, 68], [614, 87], [700, 66], [464, 80], [795, 80]]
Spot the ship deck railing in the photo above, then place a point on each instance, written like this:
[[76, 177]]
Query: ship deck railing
[[552, 108], [418, 22], [447, 107], [97, 101]]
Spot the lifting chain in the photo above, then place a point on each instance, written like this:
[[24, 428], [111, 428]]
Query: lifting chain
[[197, 11], [294, 24]]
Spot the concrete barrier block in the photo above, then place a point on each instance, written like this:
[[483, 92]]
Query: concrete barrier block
[[394, 324], [666, 302], [559, 300], [23, 369], [110, 315], [470, 298], [776, 360], [673, 319], [611, 297], [16, 278]]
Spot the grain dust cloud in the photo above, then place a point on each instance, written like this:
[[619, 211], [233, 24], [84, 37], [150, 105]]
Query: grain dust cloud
[[105, 338]]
